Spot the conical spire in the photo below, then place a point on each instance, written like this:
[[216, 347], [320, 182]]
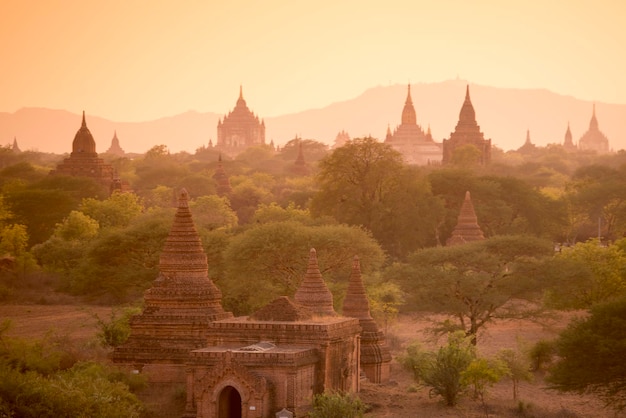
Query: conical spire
[[355, 304], [528, 137], [15, 148], [84, 144], [467, 228], [313, 292], [375, 354], [467, 114], [408, 113], [593, 123], [183, 256]]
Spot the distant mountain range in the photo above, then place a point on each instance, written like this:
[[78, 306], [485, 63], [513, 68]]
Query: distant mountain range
[[503, 114]]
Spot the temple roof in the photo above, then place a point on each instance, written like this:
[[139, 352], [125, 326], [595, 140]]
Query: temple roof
[[467, 228], [594, 139], [313, 292], [467, 115], [84, 144]]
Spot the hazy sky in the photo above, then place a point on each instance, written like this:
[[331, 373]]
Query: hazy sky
[[134, 60]]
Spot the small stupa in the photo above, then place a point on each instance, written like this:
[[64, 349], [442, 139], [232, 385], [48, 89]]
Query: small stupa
[[375, 354], [313, 292], [467, 228]]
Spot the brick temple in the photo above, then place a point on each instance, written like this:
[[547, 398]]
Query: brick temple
[[272, 361], [410, 140], [239, 129], [467, 132], [84, 160], [467, 228]]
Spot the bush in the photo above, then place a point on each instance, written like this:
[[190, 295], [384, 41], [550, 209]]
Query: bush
[[443, 375], [336, 405], [116, 331], [541, 354]]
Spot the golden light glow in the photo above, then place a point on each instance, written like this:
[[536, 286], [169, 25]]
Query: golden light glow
[[140, 60]]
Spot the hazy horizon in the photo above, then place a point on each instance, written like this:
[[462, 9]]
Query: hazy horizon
[[140, 61]]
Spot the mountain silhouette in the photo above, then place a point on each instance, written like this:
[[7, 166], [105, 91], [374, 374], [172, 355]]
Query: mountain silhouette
[[504, 115]]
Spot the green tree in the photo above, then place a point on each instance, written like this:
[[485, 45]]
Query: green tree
[[518, 366], [590, 272], [466, 156], [14, 243], [482, 373], [477, 282], [366, 183], [591, 355], [212, 212], [115, 211], [276, 256]]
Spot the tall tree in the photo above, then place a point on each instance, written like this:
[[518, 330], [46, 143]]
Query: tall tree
[[366, 183], [477, 282]]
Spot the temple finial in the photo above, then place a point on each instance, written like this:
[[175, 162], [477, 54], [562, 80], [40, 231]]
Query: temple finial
[[84, 124]]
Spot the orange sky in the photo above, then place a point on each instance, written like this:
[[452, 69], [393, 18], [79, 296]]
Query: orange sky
[[139, 60]]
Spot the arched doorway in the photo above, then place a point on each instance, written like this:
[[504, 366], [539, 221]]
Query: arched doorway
[[229, 403]]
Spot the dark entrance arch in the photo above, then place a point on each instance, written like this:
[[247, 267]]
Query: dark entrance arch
[[229, 403]]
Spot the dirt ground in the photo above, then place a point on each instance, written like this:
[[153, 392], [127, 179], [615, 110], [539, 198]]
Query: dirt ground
[[400, 398]]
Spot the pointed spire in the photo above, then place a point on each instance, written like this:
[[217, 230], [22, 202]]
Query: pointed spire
[[375, 354], [408, 112], [528, 137], [593, 124], [84, 124], [313, 292], [467, 228], [355, 304], [467, 114], [240, 92]]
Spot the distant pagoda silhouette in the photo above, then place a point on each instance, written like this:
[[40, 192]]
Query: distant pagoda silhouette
[[467, 228], [594, 139], [239, 129], [410, 140], [84, 161], [115, 148], [568, 143], [467, 132], [221, 178]]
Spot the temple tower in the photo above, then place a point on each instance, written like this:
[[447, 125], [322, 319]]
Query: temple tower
[[594, 139], [467, 132], [467, 228], [313, 292], [568, 143], [222, 180], [15, 148], [528, 147], [410, 140], [179, 306], [375, 354], [300, 167], [240, 129], [115, 148], [84, 161]]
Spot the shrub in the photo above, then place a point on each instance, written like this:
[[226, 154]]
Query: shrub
[[337, 405], [541, 354]]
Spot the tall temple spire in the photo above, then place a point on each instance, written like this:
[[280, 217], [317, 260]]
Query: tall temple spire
[[467, 113], [593, 123], [408, 113], [84, 124], [528, 137], [467, 228], [313, 292]]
